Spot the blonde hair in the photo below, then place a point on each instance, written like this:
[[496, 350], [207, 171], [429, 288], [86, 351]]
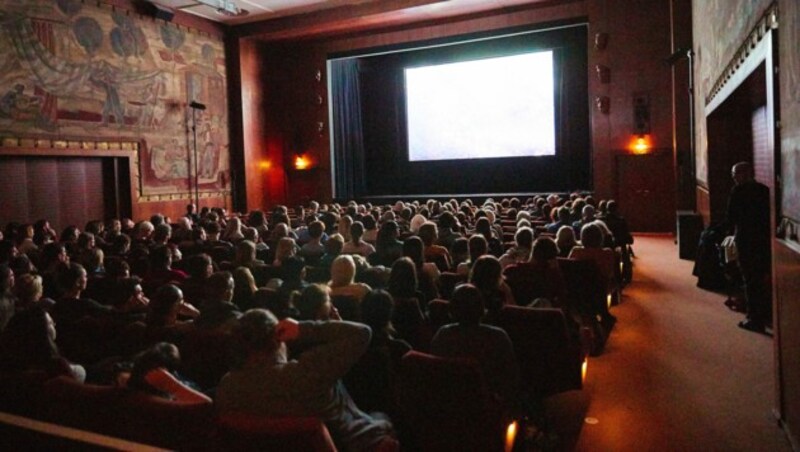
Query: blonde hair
[[29, 288], [343, 271]]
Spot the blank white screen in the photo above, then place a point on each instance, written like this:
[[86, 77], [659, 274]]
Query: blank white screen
[[496, 107]]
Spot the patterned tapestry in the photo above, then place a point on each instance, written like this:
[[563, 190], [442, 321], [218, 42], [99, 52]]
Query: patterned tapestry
[[70, 68]]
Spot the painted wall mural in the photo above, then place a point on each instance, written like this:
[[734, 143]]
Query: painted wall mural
[[789, 32], [76, 69], [720, 27]]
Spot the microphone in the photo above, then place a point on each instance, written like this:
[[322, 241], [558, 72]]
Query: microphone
[[197, 105]]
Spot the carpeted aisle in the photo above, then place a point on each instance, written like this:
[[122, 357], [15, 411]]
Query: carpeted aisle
[[677, 373]]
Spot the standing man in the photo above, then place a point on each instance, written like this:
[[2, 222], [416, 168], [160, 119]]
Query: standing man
[[749, 214]]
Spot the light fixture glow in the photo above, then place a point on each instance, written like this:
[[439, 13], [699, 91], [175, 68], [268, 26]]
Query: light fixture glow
[[584, 369], [301, 162], [511, 436]]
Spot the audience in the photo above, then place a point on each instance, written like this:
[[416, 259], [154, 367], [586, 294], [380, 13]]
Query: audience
[[36, 267]]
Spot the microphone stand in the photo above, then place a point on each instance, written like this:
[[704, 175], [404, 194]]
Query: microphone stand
[[194, 105]]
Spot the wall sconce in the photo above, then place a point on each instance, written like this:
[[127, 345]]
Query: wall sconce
[[584, 369], [511, 436], [320, 127], [641, 145], [603, 104], [301, 162], [318, 75], [603, 73], [600, 41]]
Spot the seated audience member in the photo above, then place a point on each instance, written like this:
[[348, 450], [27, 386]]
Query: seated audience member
[[429, 233], [565, 239], [447, 230], [161, 271], [24, 240], [246, 256], [459, 252], [7, 298], [343, 275], [163, 314], [293, 272], [233, 230], [521, 251], [540, 278], [587, 216], [492, 231], [269, 384], [356, 245], [314, 303], [244, 288], [403, 282], [286, 247], [617, 224], [29, 290], [387, 248], [162, 235], [313, 249], [213, 239], [427, 272], [120, 246], [71, 306], [592, 249], [217, 312], [155, 372], [371, 382], [200, 268], [343, 227], [478, 247], [487, 276], [129, 298], [487, 345], [370, 229], [69, 238], [54, 257], [562, 218], [43, 233], [333, 248], [29, 343]]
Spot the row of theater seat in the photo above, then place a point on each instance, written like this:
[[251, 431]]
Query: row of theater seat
[[444, 402]]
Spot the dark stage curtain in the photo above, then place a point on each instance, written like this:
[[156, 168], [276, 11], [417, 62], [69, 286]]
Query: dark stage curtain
[[348, 141]]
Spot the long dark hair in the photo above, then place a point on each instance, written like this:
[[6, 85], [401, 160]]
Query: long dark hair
[[26, 342]]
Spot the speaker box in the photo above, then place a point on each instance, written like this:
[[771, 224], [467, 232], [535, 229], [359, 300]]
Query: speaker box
[[690, 225]]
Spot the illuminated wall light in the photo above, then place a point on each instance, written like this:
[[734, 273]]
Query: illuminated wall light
[[608, 300], [301, 162], [584, 369], [265, 165], [641, 145], [511, 436]]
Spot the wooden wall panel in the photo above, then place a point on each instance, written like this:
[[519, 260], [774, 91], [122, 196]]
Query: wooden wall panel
[[787, 299], [43, 191], [13, 200]]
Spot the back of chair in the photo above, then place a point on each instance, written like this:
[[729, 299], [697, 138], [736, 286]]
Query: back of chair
[[438, 314], [239, 431], [584, 285], [206, 356], [550, 359], [447, 405], [22, 392], [127, 414]]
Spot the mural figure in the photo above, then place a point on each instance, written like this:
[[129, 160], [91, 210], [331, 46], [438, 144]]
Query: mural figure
[[82, 69]]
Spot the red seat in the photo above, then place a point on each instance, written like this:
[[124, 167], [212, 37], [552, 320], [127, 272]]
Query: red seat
[[549, 358], [447, 405], [238, 431], [129, 415]]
